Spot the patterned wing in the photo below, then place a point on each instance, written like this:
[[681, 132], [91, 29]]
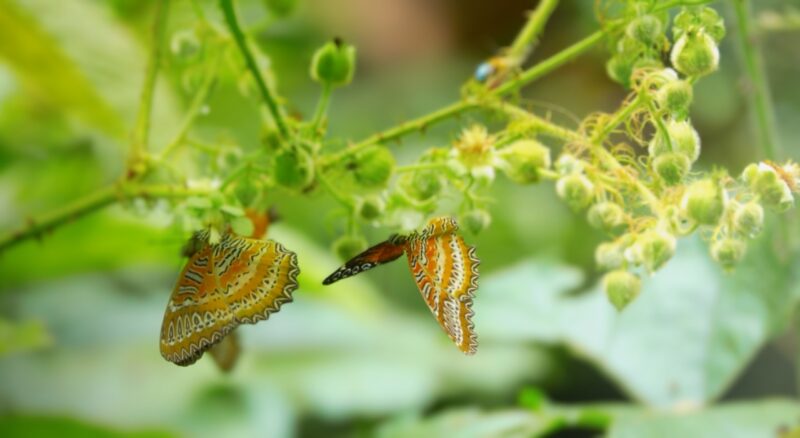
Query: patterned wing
[[197, 315], [445, 269], [236, 281], [256, 276], [379, 254]]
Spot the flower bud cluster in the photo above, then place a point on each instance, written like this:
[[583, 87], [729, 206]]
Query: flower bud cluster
[[697, 33]]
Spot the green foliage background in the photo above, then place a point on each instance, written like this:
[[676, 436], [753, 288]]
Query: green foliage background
[[701, 353]]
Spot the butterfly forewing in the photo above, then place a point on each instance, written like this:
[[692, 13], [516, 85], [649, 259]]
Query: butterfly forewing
[[379, 254], [235, 281]]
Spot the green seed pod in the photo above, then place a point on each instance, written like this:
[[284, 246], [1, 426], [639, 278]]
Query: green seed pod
[[576, 190], [622, 288], [647, 29], [691, 19], [749, 219], [293, 169], [620, 68], [370, 208], [334, 64], [655, 248], [373, 167], [422, 185], [750, 174], [675, 97], [567, 164], [683, 139], [704, 202], [348, 246], [609, 256], [728, 252], [280, 8], [770, 188], [606, 216], [672, 167], [523, 159], [476, 220], [695, 54]]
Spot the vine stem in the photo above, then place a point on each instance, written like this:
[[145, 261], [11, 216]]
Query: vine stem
[[233, 26], [528, 37], [91, 203], [322, 107], [420, 123], [141, 131], [754, 64]]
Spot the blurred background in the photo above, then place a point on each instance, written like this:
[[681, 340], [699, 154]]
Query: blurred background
[[81, 308]]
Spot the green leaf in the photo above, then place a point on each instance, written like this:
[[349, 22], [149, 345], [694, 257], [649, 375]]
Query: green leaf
[[468, 423], [242, 226], [31, 426], [681, 343], [29, 335]]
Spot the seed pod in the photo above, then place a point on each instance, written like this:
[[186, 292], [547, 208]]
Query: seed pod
[[348, 246], [476, 220], [683, 139], [655, 248], [769, 186], [293, 169], [706, 18], [609, 255], [334, 63], [606, 216], [622, 288], [370, 208], [676, 97], [422, 185], [749, 219], [567, 164], [373, 167], [672, 167], [620, 68], [704, 202], [523, 159], [647, 29], [728, 252], [695, 54], [576, 190]]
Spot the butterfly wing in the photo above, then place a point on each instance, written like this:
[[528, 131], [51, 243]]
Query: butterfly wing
[[445, 269], [379, 254], [257, 276], [235, 281], [197, 315]]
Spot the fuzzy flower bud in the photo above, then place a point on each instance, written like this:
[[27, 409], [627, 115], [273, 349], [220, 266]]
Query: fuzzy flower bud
[[422, 185], [647, 29], [523, 159], [654, 248], [728, 252], [672, 167], [749, 219], [765, 180], [476, 220], [704, 202], [609, 255], [576, 190], [567, 164], [695, 54], [622, 288], [370, 208], [606, 216], [293, 169], [675, 97], [373, 167], [682, 139], [334, 63], [475, 151]]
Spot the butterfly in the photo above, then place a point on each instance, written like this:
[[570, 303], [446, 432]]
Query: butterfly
[[238, 280], [444, 268]]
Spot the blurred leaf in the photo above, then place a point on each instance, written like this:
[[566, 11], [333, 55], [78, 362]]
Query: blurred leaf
[[47, 71], [468, 423], [28, 335], [733, 420], [681, 343], [30, 426]]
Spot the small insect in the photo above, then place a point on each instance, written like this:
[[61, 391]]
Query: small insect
[[444, 268], [238, 280], [494, 68]]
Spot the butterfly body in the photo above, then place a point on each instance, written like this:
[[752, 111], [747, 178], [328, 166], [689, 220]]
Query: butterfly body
[[444, 268]]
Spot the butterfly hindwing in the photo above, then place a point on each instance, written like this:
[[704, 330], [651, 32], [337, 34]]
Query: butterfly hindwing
[[446, 271], [379, 254]]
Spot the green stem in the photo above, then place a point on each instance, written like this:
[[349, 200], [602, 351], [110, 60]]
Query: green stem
[[528, 37], [141, 130], [322, 107], [618, 118], [537, 123], [39, 227], [233, 26], [754, 65]]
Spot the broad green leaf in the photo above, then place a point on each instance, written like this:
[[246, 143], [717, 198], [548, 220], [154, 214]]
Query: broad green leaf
[[681, 343], [38, 426], [28, 335]]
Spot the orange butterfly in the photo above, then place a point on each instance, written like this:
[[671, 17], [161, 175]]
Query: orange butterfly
[[236, 281], [444, 268]]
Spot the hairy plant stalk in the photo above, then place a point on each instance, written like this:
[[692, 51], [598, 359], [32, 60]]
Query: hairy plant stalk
[[528, 37]]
